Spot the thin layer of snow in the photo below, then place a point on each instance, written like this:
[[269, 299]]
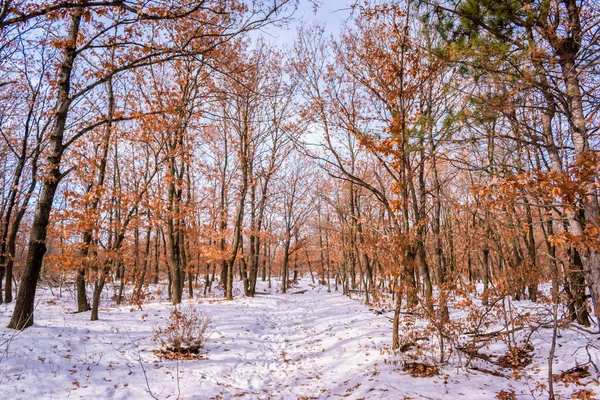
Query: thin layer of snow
[[312, 345]]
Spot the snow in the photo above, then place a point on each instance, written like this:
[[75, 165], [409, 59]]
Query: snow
[[313, 345]]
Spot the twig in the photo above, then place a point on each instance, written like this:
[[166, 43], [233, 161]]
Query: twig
[[178, 388], [145, 375], [139, 359]]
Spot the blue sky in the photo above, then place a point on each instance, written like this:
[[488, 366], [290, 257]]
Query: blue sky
[[331, 13]]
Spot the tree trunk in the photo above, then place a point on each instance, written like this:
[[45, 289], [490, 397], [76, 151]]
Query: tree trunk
[[137, 294], [98, 287], [286, 260], [174, 234], [22, 316], [567, 50], [396, 321], [239, 220]]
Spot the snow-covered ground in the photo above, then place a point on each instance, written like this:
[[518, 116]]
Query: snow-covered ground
[[311, 345]]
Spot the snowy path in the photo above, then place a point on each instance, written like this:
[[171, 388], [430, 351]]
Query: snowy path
[[309, 345], [298, 345], [316, 345]]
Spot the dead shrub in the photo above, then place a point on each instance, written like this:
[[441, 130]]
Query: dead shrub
[[187, 332], [573, 375], [517, 359], [506, 394], [420, 370]]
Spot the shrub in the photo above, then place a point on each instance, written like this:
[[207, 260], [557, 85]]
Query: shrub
[[186, 333]]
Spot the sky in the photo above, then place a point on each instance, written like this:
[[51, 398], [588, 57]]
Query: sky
[[331, 13]]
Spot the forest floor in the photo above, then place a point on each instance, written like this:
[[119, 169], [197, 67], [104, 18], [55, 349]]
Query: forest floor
[[311, 345]]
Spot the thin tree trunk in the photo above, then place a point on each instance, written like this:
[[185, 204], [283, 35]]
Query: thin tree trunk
[[286, 256]]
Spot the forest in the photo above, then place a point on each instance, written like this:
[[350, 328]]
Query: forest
[[300, 199]]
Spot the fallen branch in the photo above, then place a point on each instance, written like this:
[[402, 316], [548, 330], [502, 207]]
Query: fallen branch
[[474, 353], [488, 371], [494, 333]]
